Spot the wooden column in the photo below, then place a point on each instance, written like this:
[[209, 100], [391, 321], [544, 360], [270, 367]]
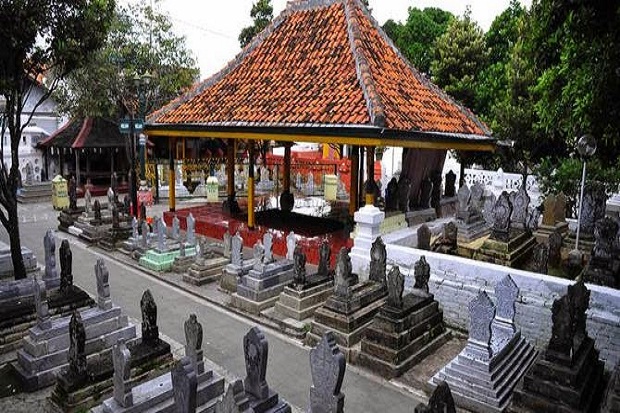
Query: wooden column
[[287, 168], [370, 175], [360, 177], [251, 185], [230, 168], [77, 167], [354, 180], [172, 178]]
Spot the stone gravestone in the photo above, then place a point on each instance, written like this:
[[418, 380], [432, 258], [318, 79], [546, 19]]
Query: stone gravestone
[[436, 192], [463, 196], [77, 344], [227, 244], [395, 287], [378, 259], [49, 242], [327, 366], [97, 210], [422, 273], [255, 350], [391, 196], [193, 342], [104, 301], [66, 264], [184, 386], [501, 216], [174, 233], [41, 305], [150, 331], [228, 402], [424, 237], [540, 257], [605, 231], [487, 209], [134, 229], [115, 217], [450, 187], [258, 252], [560, 208], [291, 242], [476, 197], [549, 210], [268, 245], [325, 253], [121, 358], [72, 194], [111, 197], [555, 249], [426, 187], [145, 234], [482, 312], [310, 184], [532, 219], [502, 327], [29, 174], [190, 236], [88, 199], [342, 277], [404, 188], [521, 202], [299, 267], [236, 255], [161, 235], [593, 209], [441, 401], [143, 211]]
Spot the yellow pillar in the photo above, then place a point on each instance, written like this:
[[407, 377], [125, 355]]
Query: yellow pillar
[[251, 185], [325, 150], [354, 180], [172, 177], [370, 175]]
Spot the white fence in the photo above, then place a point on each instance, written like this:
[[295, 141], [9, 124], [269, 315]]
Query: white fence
[[499, 181]]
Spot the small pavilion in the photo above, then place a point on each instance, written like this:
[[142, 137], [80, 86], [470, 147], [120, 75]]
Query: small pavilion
[[323, 71]]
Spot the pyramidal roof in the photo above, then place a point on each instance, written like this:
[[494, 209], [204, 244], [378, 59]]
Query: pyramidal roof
[[321, 63]]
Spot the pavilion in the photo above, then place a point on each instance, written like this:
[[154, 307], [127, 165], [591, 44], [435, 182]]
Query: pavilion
[[323, 71]]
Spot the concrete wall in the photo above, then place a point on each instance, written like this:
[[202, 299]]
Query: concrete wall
[[455, 281]]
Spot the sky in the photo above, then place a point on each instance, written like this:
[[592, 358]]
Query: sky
[[212, 27]]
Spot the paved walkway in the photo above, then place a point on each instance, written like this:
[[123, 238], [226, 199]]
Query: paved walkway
[[288, 370]]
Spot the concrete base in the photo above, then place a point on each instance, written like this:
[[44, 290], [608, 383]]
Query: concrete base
[[231, 275], [420, 216], [543, 231], [35, 192], [301, 304], [470, 232], [162, 260], [205, 271], [510, 253]]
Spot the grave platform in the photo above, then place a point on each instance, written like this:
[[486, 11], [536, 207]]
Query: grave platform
[[206, 270], [399, 338], [420, 216], [468, 232], [348, 317], [554, 385], [113, 238], [611, 400], [511, 252], [68, 217], [260, 288], [162, 260], [35, 192], [231, 275], [6, 263], [543, 231]]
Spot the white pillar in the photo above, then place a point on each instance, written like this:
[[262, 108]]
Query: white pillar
[[368, 227]]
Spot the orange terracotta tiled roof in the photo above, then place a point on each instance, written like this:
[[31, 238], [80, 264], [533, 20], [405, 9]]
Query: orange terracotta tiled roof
[[321, 62]]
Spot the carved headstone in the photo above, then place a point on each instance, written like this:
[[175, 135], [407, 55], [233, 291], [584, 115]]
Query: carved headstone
[[463, 196], [161, 235], [555, 249], [481, 313], [145, 234], [593, 209], [49, 243], [291, 243], [134, 228], [228, 403], [391, 195], [404, 188], [256, 351], [236, 256], [97, 210], [422, 273], [520, 206], [115, 217], [193, 341], [605, 231], [487, 209], [560, 208], [343, 273], [325, 253], [88, 201], [540, 257], [174, 232], [190, 235], [102, 276], [426, 187], [259, 252], [77, 343], [66, 265], [476, 197], [450, 233], [450, 185], [111, 197], [441, 401], [41, 305], [507, 293], [436, 192], [299, 266], [150, 331], [327, 365], [184, 386], [424, 237], [395, 287], [378, 259], [501, 215], [533, 217], [121, 358], [29, 174], [268, 245], [227, 239], [549, 210], [72, 194]]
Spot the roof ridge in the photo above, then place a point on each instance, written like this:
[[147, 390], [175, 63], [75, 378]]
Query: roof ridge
[[83, 133], [57, 132], [376, 109], [426, 81]]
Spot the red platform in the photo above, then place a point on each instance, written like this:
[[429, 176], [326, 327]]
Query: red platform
[[212, 222]]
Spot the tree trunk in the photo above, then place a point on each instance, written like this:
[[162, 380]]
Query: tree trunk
[[14, 238]]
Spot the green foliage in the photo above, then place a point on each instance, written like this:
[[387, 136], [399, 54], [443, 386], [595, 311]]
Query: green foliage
[[141, 40], [262, 14], [416, 38]]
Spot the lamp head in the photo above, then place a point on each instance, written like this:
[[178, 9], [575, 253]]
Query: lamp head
[[586, 146]]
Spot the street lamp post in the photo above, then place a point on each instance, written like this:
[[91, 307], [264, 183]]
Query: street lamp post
[[586, 146]]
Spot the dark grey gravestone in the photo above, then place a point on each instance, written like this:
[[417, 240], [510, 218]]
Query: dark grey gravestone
[[126, 204], [142, 210], [593, 209], [227, 239], [520, 204], [476, 198], [481, 313], [193, 342], [422, 273], [121, 358], [258, 252], [102, 276], [424, 237], [184, 386], [236, 254], [174, 232], [487, 208], [343, 273], [227, 404], [450, 233], [605, 231], [77, 343], [88, 201], [97, 210], [299, 267], [501, 216], [503, 328], [325, 254], [436, 192], [441, 401], [116, 223], [256, 351], [66, 264], [426, 187], [533, 217], [72, 194], [580, 298], [161, 235], [555, 249], [134, 229], [327, 366], [463, 196], [404, 187], [41, 305], [540, 258], [450, 186], [29, 174], [190, 235], [150, 331], [391, 196], [395, 287], [378, 258], [145, 234], [268, 245], [49, 242]]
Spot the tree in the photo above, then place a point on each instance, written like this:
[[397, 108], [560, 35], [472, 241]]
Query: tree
[[38, 38], [141, 40], [262, 14], [416, 38]]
